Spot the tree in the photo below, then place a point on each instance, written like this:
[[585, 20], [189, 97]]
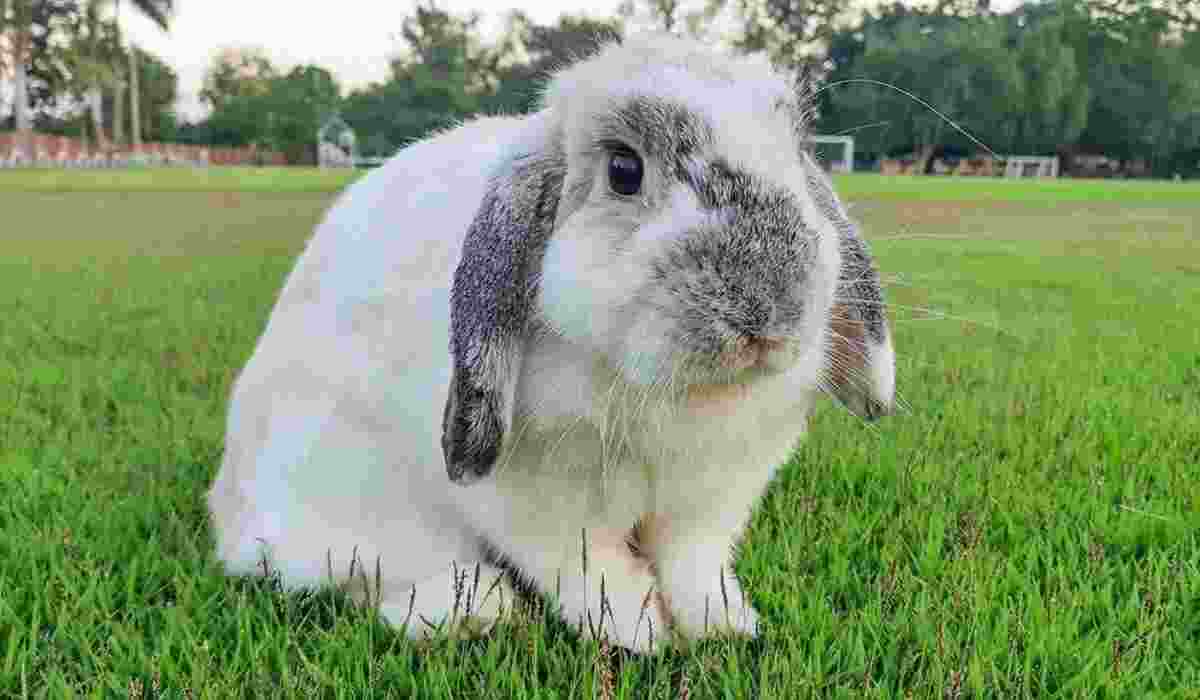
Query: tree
[[237, 72], [158, 90], [91, 58], [1136, 59], [20, 38], [793, 32], [662, 14], [962, 67], [444, 48], [690, 17], [1118, 77], [442, 74], [1131, 18], [257, 106], [1146, 102], [531, 51], [294, 108], [1056, 93], [32, 34], [233, 85], [159, 12], [1191, 47]]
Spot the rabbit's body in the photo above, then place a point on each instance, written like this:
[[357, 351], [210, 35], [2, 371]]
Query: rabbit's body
[[620, 487]]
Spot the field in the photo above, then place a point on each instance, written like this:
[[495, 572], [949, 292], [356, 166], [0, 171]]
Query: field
[[1030, 527]]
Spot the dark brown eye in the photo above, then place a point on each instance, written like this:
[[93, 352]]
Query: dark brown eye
[[625, 172]]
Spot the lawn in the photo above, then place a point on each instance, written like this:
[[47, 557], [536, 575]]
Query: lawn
[[1029, 527], [311, 180]]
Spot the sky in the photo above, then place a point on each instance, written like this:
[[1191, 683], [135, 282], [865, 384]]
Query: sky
[[351, 38]]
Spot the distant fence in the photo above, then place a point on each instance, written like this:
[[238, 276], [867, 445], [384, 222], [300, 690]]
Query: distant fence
[[50, 151], [979, 166]]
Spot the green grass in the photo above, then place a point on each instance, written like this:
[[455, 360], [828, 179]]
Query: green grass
[[858, 185], [1030, 528], [976, 189], [183, 179]]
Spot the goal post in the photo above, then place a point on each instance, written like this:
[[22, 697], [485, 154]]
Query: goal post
[[834, 153], [1030, 166]]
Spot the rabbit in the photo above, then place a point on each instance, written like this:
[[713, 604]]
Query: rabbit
[[559, 354]]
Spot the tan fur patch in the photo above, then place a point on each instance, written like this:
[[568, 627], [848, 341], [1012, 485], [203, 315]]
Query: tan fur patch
[[847, 348], [716, 398], [645, 536], [643, 540], [618, 542], [663, 603]]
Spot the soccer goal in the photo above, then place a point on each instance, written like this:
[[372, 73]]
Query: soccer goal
[[337, 146], [1031, 166], [834, 153]]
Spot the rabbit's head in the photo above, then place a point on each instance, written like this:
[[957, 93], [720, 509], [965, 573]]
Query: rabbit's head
[[666, 216]]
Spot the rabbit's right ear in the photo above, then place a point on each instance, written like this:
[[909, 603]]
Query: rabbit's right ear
[[862, 362], [492, 305]]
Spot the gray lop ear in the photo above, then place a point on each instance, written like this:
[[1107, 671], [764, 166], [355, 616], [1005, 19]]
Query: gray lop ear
[[862, 372], [492, 307]]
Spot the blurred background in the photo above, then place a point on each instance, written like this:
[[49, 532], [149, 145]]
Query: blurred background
[[1103, 88]]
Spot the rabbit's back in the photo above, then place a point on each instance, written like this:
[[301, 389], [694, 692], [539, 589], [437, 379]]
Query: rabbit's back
[[353, 354], [401, 225]]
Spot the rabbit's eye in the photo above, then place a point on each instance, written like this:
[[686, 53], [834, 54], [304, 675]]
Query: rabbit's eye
[[625, 172]]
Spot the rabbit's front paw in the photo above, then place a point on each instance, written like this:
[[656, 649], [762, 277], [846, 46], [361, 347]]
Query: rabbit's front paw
[[615, 595], [629, 613], [465, 601], [711, 605]]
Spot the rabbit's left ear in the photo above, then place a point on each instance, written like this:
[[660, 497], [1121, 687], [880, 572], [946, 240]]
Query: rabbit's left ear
[[861, 360], [492, 306]]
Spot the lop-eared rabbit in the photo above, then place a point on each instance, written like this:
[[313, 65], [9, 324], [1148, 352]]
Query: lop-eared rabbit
[[567, 351]]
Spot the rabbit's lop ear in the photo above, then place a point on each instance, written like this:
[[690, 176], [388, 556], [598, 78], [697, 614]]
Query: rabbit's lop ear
[[492, 307], [861, 370]]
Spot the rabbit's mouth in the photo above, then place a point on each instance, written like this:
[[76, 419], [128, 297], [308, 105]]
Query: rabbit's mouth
[[733, 373], [741, 361], [753, 352]]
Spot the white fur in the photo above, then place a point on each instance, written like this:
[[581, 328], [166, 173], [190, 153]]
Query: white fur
[[333, 433], [882, 366]]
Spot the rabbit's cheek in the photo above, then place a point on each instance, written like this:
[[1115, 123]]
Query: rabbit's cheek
[[571, 290], [680, 213], [645, 357]]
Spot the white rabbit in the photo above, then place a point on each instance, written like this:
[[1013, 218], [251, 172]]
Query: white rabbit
[[568, 349]]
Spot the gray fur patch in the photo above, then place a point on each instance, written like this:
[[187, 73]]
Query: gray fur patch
[[670, 133], [744, 274], [522, 583], [491, 307]]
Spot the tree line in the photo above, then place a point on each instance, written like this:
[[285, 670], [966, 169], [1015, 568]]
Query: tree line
[[1113, 77], [70, 71]]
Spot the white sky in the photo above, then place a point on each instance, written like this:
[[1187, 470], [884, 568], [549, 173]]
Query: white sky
[[351, 38]]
